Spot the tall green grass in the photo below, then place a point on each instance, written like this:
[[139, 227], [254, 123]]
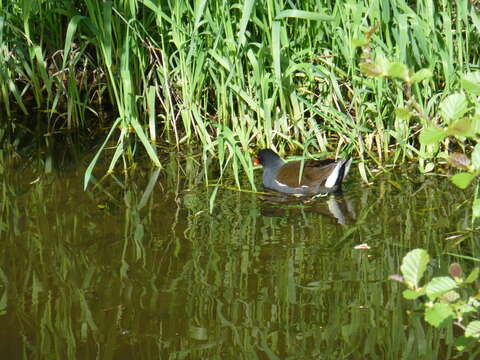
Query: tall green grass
[[232, 76]]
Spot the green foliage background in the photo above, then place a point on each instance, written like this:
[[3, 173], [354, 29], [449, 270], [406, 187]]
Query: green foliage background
[[229, 76]]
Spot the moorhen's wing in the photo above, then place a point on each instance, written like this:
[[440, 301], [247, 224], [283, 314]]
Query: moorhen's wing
[[315, 172]]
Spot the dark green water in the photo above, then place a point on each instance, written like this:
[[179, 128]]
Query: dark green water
[[142, 270]]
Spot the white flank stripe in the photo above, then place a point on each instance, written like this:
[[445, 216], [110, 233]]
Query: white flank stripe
[[279, 183]]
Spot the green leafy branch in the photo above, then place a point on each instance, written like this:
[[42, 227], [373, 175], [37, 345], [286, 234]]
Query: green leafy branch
[[448, 300], [458, 114]]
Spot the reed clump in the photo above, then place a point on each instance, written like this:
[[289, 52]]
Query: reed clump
[[230, 76]]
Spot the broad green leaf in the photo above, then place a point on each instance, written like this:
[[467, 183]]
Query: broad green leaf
[[475, 125], [413, 266], [454, 106], [473, 275], [398, 70], [476, 157], [466, 308], [421, 75], [462, 180], [439, 315], [432, 135], [473, 329], [462, 127], [439, 286], [412, 294], [462, 342], [359, 42], [371, 69], [471, 82], [403, 113], [450, 297]]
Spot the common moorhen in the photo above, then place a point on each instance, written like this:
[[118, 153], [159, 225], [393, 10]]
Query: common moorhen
[[318, 176]]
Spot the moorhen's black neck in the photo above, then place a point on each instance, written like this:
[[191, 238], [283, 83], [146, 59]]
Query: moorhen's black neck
[[271, 163]]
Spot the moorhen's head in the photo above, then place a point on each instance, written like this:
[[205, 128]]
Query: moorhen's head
[[267, 157]]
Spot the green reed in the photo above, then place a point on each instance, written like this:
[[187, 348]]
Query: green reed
[[232, 76]]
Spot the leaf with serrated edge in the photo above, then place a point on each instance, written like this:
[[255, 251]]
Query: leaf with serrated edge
[[411, 294], [432, 135], [461, 127], [473, 329], [471, 82], [450, 297], [462, 180], [439, 286], [439, 314], [371, 69], [413, 266], [454, 106], [403, 113], [398, 70], [421, 75]]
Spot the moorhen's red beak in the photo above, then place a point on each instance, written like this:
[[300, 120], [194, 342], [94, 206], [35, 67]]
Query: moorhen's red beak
[[256, 162]]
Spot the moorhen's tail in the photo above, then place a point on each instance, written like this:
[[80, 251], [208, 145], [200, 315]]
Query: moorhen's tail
[[339, 174]]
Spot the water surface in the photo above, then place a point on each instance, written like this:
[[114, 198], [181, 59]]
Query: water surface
[[141, 269]]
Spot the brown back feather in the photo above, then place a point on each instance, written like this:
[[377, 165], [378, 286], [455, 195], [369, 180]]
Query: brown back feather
[[314, 172]]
